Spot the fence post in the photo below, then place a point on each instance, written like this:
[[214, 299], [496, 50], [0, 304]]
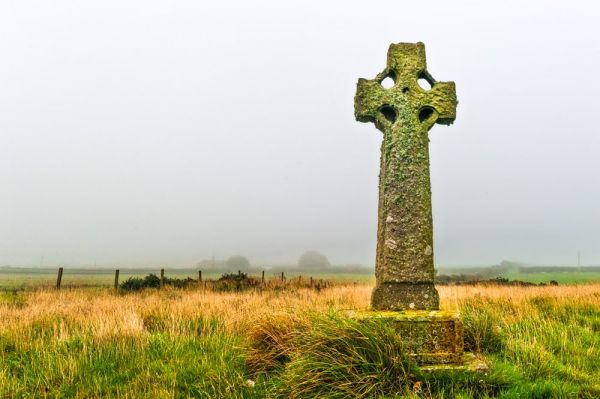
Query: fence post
[[117, 279], [311, 282], [282, 276], [200, 275], [239, 273], [162, 277], [59, 278], [263, 277]]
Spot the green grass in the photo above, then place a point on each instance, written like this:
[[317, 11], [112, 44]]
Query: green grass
[[23, 279], [43, 278], [201, 365], [541, 347], [553, 351], [560, 277], [547, 348], [11, 279]]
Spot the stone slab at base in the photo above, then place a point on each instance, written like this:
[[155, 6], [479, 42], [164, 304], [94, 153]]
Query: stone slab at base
[[468, 363], [430, 337]]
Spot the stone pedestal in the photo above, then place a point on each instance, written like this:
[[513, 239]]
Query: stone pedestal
[[428, 337]]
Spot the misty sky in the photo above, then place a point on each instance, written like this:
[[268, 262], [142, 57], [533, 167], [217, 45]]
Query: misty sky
[[155, 132]]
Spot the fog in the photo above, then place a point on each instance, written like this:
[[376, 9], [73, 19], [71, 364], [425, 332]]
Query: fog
[[154, 132]]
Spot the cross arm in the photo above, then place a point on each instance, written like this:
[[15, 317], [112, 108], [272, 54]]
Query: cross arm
[[368, 100], [442, 99]]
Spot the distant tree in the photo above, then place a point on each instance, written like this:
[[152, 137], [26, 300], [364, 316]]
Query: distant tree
[[238, 262], [313, 260]]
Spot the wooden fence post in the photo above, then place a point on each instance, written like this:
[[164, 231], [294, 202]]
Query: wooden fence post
[[200, 275], [282, 276], [162, 277], [311, 282], [263, 277], [117, 279], [59, 278]]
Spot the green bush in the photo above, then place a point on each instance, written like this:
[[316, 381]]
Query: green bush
[[179, 282], [137, 284], [153, 281], [235, 282]]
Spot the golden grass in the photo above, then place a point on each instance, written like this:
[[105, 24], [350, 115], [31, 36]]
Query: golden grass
[[102, 313], [540, 342], [452, 297]]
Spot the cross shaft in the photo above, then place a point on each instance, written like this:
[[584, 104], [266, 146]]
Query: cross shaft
[[404, 113]]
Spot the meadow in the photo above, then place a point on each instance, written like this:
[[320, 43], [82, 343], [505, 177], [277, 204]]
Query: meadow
[[562, 277], [289, 341], [78, 277]]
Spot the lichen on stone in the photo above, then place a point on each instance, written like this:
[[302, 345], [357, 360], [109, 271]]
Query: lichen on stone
[[405, 113]]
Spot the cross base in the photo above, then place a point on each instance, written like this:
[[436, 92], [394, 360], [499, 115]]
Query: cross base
[[469, 364], [428, 337], [405, 296]]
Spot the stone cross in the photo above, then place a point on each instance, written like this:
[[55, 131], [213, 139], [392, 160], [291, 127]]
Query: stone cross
[[404, 113]]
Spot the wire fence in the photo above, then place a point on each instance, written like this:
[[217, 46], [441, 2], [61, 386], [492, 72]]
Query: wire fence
[[22, 279]]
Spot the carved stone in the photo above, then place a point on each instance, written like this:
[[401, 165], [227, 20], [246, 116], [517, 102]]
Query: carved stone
[[404, 113]]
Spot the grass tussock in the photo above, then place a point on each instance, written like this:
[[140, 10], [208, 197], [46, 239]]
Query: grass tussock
[[333, 356], [540, 342], [272, 341]]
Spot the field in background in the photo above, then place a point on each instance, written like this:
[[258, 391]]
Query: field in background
[[561, 277], [28, 278], [31, 278], [518, 272], [539, 342]]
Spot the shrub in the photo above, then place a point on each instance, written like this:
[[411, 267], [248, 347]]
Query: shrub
[[137, 283], [179, 282], [235, 282], [153, 281]]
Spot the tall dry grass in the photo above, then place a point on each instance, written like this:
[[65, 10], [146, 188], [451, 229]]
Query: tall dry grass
[[540, 342], [104, 313]]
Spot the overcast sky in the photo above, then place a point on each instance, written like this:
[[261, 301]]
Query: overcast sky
[[168, 132]]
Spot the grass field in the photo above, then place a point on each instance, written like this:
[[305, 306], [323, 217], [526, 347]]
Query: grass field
[[540, 342], [560, 277], [29, 278]]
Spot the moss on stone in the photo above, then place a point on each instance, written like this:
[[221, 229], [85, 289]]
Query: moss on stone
[[428, 337], [405, 113], [415, 315]]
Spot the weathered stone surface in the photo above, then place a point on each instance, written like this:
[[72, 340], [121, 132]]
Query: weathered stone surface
[[405, 296], [399, 296], [469, 363], [405, 113], [429, 337]]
